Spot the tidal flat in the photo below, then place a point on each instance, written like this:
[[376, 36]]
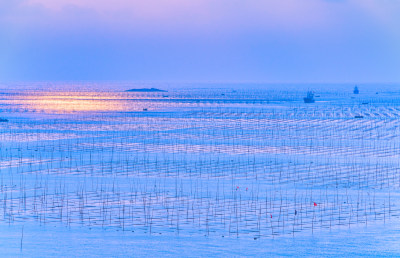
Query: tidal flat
[[205, 170]]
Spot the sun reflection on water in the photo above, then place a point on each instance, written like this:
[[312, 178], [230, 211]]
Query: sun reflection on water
[[71, 102]]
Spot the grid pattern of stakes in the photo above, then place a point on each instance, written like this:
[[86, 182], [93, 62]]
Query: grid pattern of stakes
[[258, 163]]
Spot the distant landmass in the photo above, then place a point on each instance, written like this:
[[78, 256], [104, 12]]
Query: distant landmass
[[147, 90]]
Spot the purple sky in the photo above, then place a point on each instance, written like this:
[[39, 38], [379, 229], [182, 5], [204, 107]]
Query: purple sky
[[200, 40]]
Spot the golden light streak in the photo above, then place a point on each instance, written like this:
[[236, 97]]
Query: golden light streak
[[70, 102]]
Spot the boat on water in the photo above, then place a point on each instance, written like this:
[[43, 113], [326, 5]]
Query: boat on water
[[356, 91], [309, 98]]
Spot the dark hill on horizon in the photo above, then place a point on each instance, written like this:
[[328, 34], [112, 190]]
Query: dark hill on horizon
[[146, 90]]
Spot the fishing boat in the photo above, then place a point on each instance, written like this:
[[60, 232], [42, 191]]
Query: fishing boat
[[309, 98], [356, 91]]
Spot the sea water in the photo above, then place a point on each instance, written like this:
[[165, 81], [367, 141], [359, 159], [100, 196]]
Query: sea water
[[204, 168]]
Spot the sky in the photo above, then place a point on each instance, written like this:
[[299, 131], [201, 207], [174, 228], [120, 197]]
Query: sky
[[296, 41]]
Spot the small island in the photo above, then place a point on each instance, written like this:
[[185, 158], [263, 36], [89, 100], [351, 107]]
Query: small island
[[146, 90]]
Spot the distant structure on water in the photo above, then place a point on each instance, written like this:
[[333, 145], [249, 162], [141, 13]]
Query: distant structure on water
[[146, 90], [356, 91], [309, 98]]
